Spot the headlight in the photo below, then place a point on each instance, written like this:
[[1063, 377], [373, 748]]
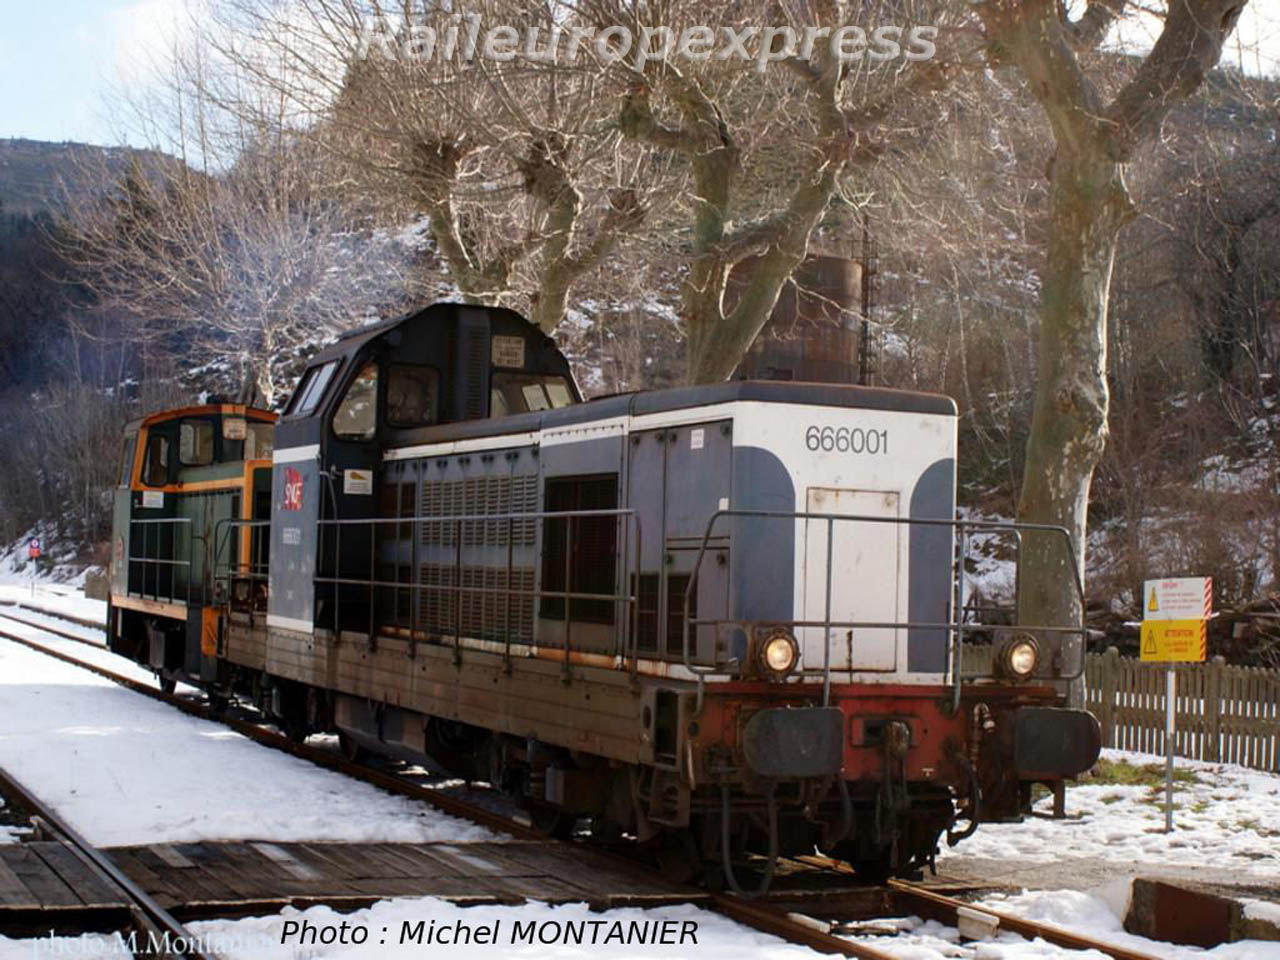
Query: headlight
[[1020, 656], [778, 654]]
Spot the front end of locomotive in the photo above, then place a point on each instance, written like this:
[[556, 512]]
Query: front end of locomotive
[[861, 697]]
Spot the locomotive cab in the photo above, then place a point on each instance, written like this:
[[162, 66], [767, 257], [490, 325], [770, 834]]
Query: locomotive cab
[[185, 475], [387, 385]]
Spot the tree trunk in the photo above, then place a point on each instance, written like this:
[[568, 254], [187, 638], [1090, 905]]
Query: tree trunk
[[1088, 206], [717, 341]]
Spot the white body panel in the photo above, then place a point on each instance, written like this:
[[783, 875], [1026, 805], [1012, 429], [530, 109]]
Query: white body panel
[[871, 561], [850, 475]]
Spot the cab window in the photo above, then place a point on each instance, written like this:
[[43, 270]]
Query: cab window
[[413, 394], [195, 443], [357, 414], [311, 389], [126, 464], [259, 441], [523, 392], [155, 471]]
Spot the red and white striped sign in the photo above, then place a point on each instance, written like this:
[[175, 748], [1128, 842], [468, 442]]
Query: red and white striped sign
[[1180, 598]]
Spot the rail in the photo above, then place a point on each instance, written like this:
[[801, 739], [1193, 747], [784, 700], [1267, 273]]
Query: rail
[[150, 919], [956, 626]]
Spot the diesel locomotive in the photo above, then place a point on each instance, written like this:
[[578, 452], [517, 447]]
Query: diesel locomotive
[[726, 620]]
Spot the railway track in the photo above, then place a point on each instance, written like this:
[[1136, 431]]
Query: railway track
[[155, 931], [7, 613], [812, 917], [55, 614]]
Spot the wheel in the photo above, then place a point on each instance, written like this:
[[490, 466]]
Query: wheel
[[553, 822], [605, 832], [874, 872], [678, 857], [351, 751], [295, 730]]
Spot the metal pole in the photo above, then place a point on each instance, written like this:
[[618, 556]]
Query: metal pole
[[826, 633], [457, 593], [506, 614], [1170, 692], [568, 589]]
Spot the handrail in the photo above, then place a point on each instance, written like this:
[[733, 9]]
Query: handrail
[[625, 601], [171, 563], [956, 627], [620, 599]]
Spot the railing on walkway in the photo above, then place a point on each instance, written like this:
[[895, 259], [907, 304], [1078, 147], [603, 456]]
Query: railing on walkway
[[466, 542], [163, 563], [962, 620]]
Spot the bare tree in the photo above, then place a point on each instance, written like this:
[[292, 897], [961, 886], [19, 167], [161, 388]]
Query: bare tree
[[766, 150], [1089, 203], [525, 185], [231, 249]]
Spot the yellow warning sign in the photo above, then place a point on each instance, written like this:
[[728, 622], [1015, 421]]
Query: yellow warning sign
[[1153, 604], [1174, 641]]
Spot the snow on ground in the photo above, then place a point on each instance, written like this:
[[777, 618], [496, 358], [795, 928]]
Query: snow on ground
[[54, 598], [717, 937], [1100, 914], [98, 657], [1262, 910], [10, 833], [58, 564], [37, 615], [1097, 914], [1228, 818], [124, 769]]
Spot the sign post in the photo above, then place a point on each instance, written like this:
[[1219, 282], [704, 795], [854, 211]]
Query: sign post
[[1175, 629], [33, 554]]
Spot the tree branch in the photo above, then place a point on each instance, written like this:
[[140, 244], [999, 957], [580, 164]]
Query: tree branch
[[1093, 25], [1188, 48], [1031, 33]]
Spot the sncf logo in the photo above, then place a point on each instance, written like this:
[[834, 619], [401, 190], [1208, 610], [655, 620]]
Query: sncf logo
[[292, 489]]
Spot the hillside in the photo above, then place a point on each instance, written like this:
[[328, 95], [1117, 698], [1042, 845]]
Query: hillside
[[34, 174]]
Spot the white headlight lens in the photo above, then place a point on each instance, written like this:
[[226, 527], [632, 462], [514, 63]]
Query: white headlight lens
[[1022, 657], [779, 653]]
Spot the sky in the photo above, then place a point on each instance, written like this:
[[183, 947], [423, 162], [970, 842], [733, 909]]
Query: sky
[[60, 60]]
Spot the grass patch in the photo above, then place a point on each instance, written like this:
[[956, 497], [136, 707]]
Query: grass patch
[[1130, 775], [1112, 798]]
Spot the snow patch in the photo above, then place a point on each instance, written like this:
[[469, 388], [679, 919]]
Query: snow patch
[[124, 769], [1226, 818]]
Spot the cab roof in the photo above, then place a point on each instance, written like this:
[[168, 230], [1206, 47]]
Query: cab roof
[[204, 410]]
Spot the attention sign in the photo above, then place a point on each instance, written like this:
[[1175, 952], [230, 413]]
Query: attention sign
[[1175, 619], [1181, 598], [1175, 641]]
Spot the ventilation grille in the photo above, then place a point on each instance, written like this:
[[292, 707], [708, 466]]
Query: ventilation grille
[[474, 329], [489, 610], [480, 495]]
